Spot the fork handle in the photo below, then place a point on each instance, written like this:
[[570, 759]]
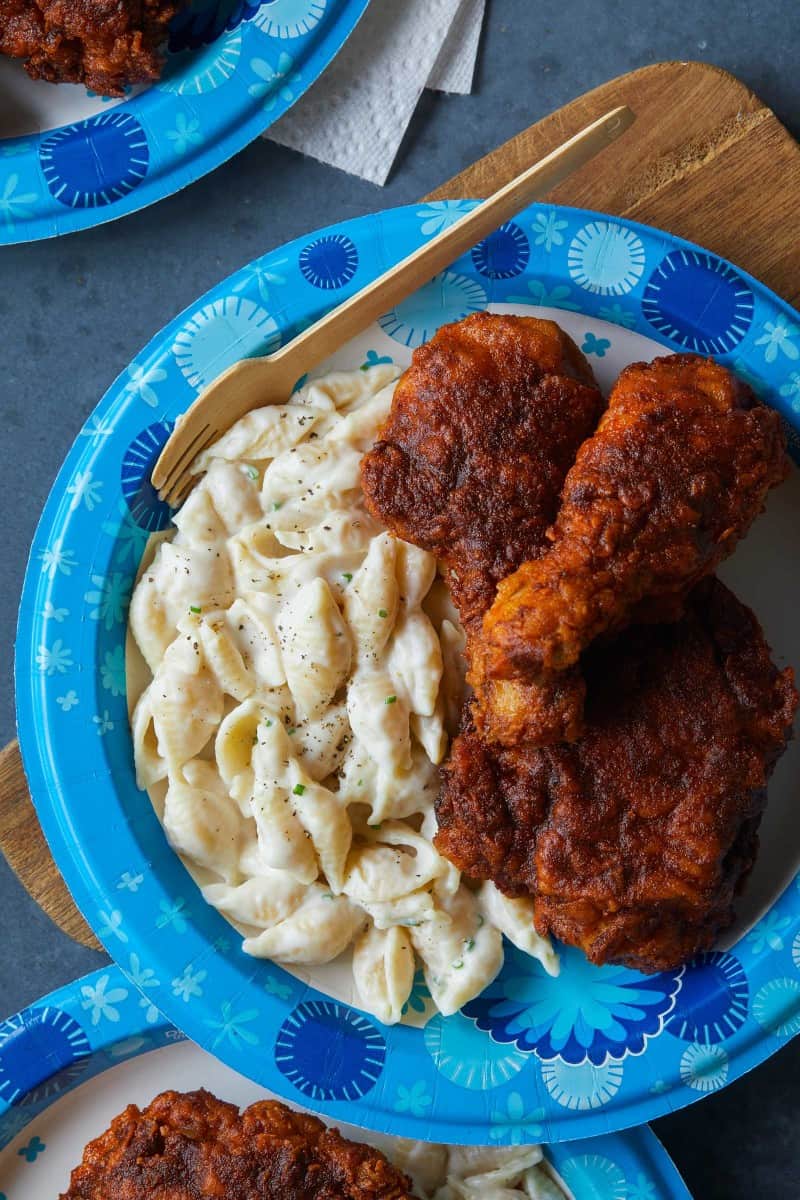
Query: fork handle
[[354, 315]]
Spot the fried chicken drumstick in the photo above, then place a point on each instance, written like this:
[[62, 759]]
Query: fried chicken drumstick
[[484, 426], [634, 840], [104, 44], [187, 1145], [677, 470]]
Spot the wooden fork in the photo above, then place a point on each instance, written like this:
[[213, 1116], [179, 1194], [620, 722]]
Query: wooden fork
[[254, 382]]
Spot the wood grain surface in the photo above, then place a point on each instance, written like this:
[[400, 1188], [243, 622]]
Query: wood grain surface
[[705, 160]]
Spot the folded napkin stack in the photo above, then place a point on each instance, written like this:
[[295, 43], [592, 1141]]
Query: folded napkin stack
[[354, 117]]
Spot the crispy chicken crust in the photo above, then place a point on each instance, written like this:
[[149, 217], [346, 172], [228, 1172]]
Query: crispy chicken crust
[[677, 471], [634, 840], [104, 44], [484, 426], [188, 1146]]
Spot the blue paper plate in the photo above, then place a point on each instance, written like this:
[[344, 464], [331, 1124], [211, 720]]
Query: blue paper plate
[[234, 67], [100, 1021], [596, 1049]]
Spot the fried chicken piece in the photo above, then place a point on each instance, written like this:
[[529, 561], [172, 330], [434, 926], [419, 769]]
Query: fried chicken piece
[[677, 471], [634, 840], [188, 1145], [484, 426], [104, 44]]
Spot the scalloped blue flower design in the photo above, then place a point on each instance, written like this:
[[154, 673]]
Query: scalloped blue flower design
[[712, 1003], [329, 262], [593, 1048], [448, 297], [582, 1086], [36, 1046], [95, 162], [594, 1014], [698, 302], [204, 21], [147, 509], [503, 254], [330, 1052], [466, 1057], [606, 258], [289, 18], [594, 1176]]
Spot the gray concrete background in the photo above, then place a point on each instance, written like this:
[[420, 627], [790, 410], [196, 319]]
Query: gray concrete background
[[74, 312]]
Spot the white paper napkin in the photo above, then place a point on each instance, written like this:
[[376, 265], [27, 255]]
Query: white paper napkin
[[355, 115]]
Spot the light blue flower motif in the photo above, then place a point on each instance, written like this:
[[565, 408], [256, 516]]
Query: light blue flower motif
[[642, 1188], [414, 1099], [791, 389], [221, 944], [547, 230], [232, 1026], [104, 723], [419, 995], [704, 1068], [141, 380], [110, 597], [68, 701], [100, 1001], [767, 933], [32, 1150], [85, 489], [55, 558], [15, 148], [96, 430], [50, 613], [112, 671], [437, 215], [274, 84], [277, 987], [262, 277], [185, 134], [515, 1126], [172, 914], [538, 294], [112, 925], [144, 978], [796, 951], [188, 984], [373, 359], [778, 337], [617, 315], [131, 539], [593, 1013], [595, 345], [129, 882], [55, 660], [15, 205]]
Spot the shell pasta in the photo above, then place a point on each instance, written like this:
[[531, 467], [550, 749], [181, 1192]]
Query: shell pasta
[[304, 672]]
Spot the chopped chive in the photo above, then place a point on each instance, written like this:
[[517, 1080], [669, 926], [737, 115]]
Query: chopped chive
[[268, 723], [360, 783], [390, 700], [298, 789], [251, 471], [382, 612], [276, 505], [347, 575], [469, 944], [193, 608], [292, 729], [457, 966]]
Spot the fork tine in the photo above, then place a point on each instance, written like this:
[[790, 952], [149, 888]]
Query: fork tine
[[173, 453], [181, 483], [172, 472]]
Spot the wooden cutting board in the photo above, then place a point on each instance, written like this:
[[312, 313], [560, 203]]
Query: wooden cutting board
[[705, 160]]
